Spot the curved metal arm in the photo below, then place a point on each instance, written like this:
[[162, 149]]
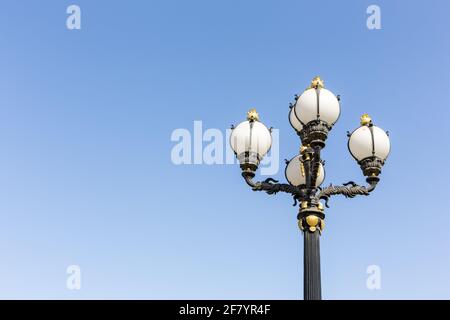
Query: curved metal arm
[[348, 190], [271, 186]]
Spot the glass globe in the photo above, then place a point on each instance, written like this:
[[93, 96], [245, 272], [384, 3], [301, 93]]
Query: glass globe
[[369, 141], [296, 176], [317, 103], [294, 121], [251, 140]]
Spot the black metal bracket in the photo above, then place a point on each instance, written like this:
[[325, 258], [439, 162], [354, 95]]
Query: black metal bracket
[[271, 186], [348, 190]]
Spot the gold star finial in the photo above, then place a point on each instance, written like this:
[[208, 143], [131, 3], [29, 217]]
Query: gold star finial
[[317, 82], [366, 120], [252, 115]]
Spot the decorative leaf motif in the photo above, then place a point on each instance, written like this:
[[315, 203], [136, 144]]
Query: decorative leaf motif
[[348, 190]]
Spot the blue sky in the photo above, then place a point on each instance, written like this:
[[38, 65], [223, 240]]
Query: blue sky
[[86, 176]]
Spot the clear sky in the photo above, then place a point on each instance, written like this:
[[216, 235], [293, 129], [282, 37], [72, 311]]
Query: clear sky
[[86, 176]]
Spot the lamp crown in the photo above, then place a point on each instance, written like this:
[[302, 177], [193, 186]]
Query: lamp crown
[[366, 120], [252, 115], [317, 82]]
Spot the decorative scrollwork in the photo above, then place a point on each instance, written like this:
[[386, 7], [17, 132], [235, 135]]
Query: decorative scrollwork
[[348, 190], [315, 132], [271, 186]]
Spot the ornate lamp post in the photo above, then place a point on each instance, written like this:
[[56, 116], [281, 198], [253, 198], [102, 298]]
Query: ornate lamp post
[[312, 116]]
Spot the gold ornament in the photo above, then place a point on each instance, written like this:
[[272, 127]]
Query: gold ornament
[[312, 220], [252, 115], [317, 82], [366, 120], [322, 224], [303, 152]]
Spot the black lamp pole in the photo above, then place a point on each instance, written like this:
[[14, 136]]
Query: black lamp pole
[[311, 212], [311, 266]]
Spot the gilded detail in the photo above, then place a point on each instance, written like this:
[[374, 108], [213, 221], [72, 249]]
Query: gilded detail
[[366, 119], [252, 115], [317, 82]]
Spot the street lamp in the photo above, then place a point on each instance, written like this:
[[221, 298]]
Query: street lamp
[[312, 116]]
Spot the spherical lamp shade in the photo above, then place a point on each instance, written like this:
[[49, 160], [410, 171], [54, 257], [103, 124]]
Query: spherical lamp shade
[[317, 104], [251, 140], [296, 175], [369, 141], [294, 121], [251, 137]]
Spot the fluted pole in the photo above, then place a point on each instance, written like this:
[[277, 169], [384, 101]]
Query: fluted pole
[[311, 266]]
